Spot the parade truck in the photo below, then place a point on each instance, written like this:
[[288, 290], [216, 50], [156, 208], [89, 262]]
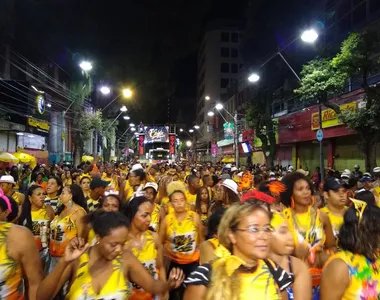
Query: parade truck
[[156, 144]]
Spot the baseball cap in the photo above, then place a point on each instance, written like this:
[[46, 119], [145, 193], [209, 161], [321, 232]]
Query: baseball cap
[[376, 170], [233, 169], [333, 183], [366, 179], [345, 175], [152, 185], [98, 182], [7, 179]]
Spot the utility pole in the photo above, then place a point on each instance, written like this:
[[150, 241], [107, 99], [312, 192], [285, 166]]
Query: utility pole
[[321, 157], [236, 139]]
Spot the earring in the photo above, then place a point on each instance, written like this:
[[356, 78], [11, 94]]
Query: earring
[[70, 204], [291, 202]]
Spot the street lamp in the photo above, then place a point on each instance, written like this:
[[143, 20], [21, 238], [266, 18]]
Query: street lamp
[[253, 77], [133, 128], [181, 130], [126, 117], [191, 130], [105, 90], [207, 98], [196, 127], [132, 125], [219, 106], [127, 93], [309, 36], [123, 108], [210, 114], [85, 66], [188, 143]]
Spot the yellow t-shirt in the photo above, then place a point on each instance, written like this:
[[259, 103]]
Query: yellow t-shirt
[[155, 218], [116, 287], [190, 198], [147, 256], [40, 226], [336, 221], [182, 237]]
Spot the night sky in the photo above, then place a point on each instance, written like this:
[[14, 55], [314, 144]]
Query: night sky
[[147, 44]]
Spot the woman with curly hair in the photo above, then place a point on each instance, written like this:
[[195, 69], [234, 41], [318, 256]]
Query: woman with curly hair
[[353, 272], [242, 270], [311, 229]]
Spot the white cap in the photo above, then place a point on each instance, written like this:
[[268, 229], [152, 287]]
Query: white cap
[[228, 166], [302, 171], [233, 169], [239, 174], [137, 167], [347, 171], [290, 169], [367, 174], [7, 179], [376, 170], [231, 185], [345, 174], [152, 185]]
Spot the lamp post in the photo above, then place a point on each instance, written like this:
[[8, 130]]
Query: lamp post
[[308, 36], [126, 93]]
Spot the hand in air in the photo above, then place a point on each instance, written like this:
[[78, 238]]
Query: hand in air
[[176, 277], [74, 249]]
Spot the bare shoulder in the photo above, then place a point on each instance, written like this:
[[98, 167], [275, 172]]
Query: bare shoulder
[[20, 239], [324, 217], [299, 266]]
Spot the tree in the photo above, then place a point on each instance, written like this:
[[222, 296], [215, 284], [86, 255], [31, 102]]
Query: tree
[[109, 133], [259, 118], [357, 58]]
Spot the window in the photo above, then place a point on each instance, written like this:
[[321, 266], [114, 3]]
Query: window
[[225, 37], [225, 68], [234, 68], [223, 83], [225, 52], [234, 37], [234, 52]]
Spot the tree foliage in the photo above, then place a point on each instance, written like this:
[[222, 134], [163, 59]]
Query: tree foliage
[[358, 58]]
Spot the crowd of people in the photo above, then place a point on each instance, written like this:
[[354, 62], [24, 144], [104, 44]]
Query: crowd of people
[[183, 231]]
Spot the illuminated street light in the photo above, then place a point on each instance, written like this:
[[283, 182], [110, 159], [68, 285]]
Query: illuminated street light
[[253, 77], [207, 98], [210, 114], [188, 143], [123, 108], [181, 130], [191, 130], [127, 93], [309, 36], [219, 106], [48, 105], [85, 66], [196, 127], [126, 117], [105, 90], [132, 125], [133, 129]]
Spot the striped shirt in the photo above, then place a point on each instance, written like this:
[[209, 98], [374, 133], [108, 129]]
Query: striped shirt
[[202, 276], [53, 202]]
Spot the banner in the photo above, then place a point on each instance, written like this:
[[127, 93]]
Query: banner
[[156, 134], [172, 143], [229, 130], [214, 150], [141, 144], [329, 116]]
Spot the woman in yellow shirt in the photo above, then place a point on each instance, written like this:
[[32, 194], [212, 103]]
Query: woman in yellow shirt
[[105, 270], [181, 233], [37, 217], [242, 271], [67, 223], [143, 243], [353, 272]]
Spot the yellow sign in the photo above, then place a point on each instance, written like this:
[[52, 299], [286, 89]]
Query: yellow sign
[[329, 116], [44, 126]]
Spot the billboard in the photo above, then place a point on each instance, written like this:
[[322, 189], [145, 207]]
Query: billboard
[[157, 134]]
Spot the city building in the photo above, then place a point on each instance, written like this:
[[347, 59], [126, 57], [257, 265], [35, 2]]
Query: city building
[[219, 62]]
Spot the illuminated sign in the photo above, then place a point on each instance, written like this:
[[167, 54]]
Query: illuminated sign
[[329, 116], [38, 125], [40, 104], [157, 134]]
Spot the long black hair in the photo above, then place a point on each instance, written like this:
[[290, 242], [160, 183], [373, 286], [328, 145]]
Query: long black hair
[[78, 198], [198, 200], [361, 235], [26, 215]]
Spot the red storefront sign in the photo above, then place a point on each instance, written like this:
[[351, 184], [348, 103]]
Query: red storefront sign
[[141, 144], [171, 143], [248, 135], [296, 127]]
